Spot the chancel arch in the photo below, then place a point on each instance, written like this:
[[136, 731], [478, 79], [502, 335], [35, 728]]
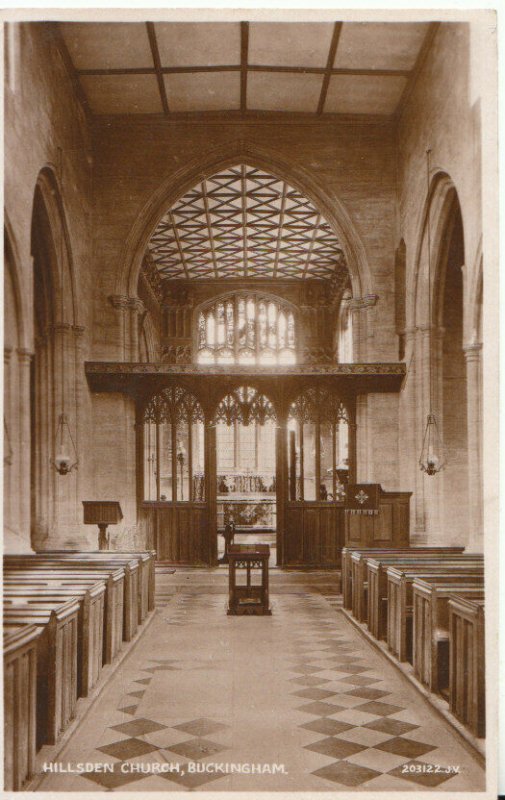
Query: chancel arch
[[271, 162]]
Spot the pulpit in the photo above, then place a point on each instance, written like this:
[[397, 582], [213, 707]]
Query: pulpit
[[375, 518], [102, 513], [248, 590]]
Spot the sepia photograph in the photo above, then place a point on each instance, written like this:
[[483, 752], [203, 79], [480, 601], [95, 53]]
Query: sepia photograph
[[250, 397]]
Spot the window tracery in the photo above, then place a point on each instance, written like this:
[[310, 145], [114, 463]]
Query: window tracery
[[246, 329]]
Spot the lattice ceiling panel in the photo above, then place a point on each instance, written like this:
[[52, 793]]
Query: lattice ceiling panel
[[244, 223]]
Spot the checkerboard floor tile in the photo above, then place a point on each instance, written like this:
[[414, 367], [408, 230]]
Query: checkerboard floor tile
[[301, 688]]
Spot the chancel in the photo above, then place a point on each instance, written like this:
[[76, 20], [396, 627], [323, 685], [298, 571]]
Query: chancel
[[243, 280]]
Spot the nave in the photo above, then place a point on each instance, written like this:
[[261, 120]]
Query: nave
[[301, 688]]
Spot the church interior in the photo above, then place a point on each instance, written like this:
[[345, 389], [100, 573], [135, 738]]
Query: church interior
[[243, 406]]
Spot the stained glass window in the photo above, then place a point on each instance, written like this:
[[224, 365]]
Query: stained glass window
[[246, 329]]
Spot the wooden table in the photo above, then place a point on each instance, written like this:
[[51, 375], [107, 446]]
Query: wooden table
[[248, 599]]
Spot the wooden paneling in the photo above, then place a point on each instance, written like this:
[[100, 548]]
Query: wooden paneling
[[182, 533], [388, 528], [314, 535]]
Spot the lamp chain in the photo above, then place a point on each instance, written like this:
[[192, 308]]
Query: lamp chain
[[430, 332]]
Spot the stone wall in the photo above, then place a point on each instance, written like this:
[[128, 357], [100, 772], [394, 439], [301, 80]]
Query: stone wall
[[443, 114], [45, 129], [117, 177]]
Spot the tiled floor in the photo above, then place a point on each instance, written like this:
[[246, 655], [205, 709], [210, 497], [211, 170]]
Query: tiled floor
[[204, 692]]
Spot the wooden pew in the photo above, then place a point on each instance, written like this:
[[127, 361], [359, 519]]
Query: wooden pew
[[90, 624], [467, 699], [146, 562], [431, 625], [375, 552], [400, 599], [114, 584], [376, 583], [83, 565], [20, 698], [56, 663]]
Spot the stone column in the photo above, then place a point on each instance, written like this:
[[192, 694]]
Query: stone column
[[281, 434], [474, 413], [9, 431], [120, 303], [410, 437], [429, 488], [136, 307], [23, 442], [362, 324], [64, 531]]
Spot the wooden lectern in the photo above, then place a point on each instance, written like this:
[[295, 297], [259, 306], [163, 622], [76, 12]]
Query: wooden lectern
[[375, 518], [248, 599], [102, 513]]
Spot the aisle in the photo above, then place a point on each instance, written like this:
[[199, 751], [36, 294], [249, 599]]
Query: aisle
[[299, 695]]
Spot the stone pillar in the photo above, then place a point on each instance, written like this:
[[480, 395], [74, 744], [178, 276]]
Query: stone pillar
[[65, 530], [429, 488], [281, 434], [120, 303], [8, 440], [128, 310], [137, 308], [362, 324], [363, 448], [177, 345], [410, 437], [23, 443], [474, 412]]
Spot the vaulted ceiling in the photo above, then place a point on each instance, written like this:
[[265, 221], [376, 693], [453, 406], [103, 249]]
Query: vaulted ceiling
[[172, 68], [245, 223]]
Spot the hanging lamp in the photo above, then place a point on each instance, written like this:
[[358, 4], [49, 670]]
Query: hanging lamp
[[64, 462], [431, 459]]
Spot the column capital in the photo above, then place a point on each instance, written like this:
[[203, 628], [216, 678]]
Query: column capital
[[24, 355], [59, 327], [472, 351], [78, 330], [119, 301], [136, 304], [7, 354], [362, 303]]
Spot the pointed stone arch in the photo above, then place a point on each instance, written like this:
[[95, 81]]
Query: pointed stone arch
[[54, 373], [225, 156]]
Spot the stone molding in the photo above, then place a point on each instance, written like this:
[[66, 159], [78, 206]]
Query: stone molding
[[362, 303]]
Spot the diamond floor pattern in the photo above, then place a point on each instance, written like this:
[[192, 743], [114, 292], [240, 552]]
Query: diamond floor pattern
[[301, 689]]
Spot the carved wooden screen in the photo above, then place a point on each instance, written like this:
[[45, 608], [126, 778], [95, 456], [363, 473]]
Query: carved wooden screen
[[246, 329], [174, 456], [245, 443], [318, 447]]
